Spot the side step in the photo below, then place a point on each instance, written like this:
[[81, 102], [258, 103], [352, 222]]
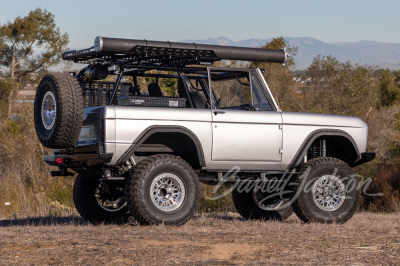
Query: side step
[[216, 177]]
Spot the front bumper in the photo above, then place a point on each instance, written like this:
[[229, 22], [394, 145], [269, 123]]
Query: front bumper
[[365, 158]]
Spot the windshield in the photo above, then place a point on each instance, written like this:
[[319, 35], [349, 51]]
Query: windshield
[[238, 90]]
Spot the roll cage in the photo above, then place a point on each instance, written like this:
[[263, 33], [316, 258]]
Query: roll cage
[[193, 80]]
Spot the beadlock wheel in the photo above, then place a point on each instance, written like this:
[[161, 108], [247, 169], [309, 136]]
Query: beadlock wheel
[[329, 193], [167, 192], [265, 203], [256, 205], [110, 201]]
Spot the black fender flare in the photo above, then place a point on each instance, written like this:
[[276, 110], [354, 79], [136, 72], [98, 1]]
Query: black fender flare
[[316, 134], [163, 129]]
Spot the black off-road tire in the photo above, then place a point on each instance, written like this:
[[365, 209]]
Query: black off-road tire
[[304, 204], [139, 197], [88, 207], [63, 130], [250, 210]]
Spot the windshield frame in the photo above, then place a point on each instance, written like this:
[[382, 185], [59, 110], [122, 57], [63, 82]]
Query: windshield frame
[[256, 74]]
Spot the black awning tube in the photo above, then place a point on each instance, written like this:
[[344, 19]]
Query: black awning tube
[[216, 52]]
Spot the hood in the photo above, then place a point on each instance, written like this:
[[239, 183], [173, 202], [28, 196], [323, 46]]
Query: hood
[[290, 118]]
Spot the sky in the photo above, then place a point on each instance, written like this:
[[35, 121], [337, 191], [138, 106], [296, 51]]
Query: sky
[[176, 20]]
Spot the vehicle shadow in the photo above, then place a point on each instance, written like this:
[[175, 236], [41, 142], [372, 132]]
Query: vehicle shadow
[[78, 221], [236, 217], [44, 221]]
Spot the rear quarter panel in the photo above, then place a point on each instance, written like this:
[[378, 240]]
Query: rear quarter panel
[[125, 123]]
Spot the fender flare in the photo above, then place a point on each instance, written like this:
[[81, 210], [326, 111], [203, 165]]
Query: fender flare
[[316, 134], [163, 129]]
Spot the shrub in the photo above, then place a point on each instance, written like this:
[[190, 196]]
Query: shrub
[[386, 181]]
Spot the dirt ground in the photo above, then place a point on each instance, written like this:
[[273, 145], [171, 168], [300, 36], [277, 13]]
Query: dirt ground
[[207, 239]]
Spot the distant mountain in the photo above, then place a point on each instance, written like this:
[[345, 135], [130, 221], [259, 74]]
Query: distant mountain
[[384, 55]]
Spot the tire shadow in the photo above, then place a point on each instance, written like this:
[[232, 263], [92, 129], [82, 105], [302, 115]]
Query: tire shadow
[[44, 221]]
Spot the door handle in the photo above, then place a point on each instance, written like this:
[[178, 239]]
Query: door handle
[[219, 112]]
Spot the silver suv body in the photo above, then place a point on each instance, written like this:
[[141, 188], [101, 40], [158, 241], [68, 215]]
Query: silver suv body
[[262, 140]]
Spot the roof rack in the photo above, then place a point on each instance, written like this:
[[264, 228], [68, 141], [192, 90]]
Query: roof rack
[[138, 52]]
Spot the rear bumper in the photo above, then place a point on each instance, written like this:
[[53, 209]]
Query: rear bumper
[[74, 159], [365, 158]]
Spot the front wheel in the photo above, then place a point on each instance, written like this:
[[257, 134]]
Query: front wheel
[[162, 189], [327, 191]]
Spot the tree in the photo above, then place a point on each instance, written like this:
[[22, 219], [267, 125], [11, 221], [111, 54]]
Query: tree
[[29, 44], [278, 77], [342, 88], [390, 91]]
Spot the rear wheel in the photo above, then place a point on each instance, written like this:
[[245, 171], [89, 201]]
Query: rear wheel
[[162, 189], [58, 110], [256, 205], [100, 202]]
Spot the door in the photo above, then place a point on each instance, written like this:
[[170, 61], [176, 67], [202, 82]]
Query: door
[[245, 124]]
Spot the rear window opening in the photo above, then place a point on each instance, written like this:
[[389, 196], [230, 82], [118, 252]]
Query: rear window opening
[[151, 89]]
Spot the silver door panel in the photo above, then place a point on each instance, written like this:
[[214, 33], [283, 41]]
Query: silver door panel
[[246, 142], [240, 135]]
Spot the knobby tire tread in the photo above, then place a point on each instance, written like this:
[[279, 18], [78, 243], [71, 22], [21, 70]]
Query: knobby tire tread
[[136, 203]]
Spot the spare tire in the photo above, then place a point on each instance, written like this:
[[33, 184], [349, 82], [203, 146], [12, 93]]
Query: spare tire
[[58, 110]]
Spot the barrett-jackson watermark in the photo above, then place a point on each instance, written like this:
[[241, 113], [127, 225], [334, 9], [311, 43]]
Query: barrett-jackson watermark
[[286, 187]]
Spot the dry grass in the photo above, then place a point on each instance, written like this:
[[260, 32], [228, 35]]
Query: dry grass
[[24, 177], [223, 239]]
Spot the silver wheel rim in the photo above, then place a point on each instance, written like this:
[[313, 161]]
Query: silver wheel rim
[[329, 193], [264, 203], [167, 192], [110, 205], [49, 110]]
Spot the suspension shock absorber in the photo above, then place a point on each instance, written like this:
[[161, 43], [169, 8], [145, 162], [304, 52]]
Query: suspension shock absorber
[[322, 145], [313, 151]]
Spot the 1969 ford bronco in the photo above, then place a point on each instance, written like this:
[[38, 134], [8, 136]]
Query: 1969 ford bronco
[[141, 143]]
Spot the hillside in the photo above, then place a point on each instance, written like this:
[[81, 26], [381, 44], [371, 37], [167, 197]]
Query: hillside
[[383, 55]]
